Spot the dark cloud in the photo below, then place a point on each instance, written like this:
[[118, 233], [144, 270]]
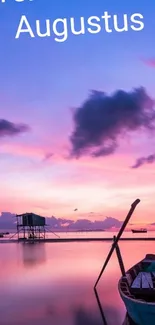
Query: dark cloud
[[108, 223], [139, 162], [9, 129], [58, 223], [83, 224], [103, 119], [8, 221], [144, 160], [105, 151]]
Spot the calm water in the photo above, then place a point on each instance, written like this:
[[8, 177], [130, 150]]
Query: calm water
[[84, 234], [52, 283]]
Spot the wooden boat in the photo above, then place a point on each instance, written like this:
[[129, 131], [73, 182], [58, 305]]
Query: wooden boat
[[137, 290], [137, 231]]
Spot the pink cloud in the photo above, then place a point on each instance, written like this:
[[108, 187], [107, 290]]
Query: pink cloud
[[106, 185], [22, 150], [149, 62], [46, 207], [42, 152]]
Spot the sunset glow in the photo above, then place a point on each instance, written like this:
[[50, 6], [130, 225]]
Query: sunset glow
[[46, 165]]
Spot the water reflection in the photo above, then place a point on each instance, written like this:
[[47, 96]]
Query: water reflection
[[83, 317], [100, 307], [33, 254], [112, 311], [58, 289]]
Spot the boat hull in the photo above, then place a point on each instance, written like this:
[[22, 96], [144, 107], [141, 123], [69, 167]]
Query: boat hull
[[141, 313], [128, 321]]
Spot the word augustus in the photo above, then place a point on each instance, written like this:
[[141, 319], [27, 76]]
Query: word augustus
[[60, 28]]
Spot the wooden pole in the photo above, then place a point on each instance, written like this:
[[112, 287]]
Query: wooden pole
[[133, 206], [120, 260]]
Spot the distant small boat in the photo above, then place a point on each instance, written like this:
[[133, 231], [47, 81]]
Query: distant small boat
[[136, 231], [137, 290]]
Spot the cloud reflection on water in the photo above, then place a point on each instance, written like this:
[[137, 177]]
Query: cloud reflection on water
[[57, 288]]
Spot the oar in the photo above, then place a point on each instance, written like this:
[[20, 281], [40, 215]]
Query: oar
[[133, 206]]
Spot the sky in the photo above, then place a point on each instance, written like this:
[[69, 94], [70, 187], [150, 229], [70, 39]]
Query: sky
[[76, 128]]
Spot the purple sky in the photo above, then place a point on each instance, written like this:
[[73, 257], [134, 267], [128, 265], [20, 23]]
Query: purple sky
[[42, 81]]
